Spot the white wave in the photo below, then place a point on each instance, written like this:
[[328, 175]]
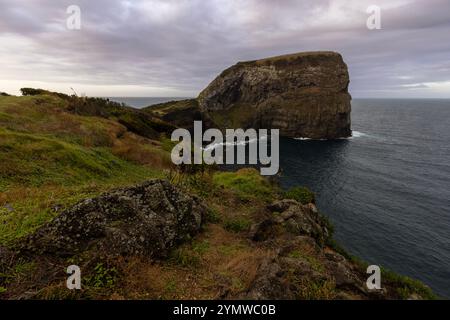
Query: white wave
[[236, 143], [358, 134], [302, 138], [306, 139]]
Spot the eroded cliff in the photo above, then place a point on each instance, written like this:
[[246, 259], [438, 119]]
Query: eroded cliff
[[302, 94]]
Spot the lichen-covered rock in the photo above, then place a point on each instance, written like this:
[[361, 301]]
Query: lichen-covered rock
[[295, 218], [146, 219], [303, 95]]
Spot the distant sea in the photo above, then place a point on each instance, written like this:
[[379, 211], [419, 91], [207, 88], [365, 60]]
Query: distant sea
[[142, 102], [386, 189]]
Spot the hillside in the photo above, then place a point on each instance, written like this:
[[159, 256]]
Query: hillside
[[90, 182]]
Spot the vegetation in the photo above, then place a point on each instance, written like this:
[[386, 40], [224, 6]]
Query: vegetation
[[51, 158], [247, 184], [238, 224], [56, 150], [406, 287], [301, 194], [102, 277]]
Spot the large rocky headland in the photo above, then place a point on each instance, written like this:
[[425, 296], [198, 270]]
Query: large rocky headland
[[303, 94]]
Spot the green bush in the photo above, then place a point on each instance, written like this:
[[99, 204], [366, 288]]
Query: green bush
[[301, 194], [32, 91]]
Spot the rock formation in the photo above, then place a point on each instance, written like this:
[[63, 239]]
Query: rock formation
[[294, 217], [147, 219], [303, 95], [283, 275]]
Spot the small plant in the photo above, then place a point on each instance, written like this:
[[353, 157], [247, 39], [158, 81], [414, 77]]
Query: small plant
[[200, 247], [301, 194], [2, 290], [185, 258], [213, 216], [103, 277], [237, 224]]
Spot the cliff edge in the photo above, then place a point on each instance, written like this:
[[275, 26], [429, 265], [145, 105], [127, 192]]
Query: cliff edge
[[302, 94]]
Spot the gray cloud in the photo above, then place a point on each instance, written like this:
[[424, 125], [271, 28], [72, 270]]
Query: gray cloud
[[177, 47]]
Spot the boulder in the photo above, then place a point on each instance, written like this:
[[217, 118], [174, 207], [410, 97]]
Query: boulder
[[302, 94], [290, 216], [147, 219]]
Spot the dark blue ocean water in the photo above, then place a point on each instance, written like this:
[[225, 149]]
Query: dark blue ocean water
[[387, 189]]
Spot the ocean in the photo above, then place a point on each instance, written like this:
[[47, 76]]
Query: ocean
[[386, 189], [142, 102]]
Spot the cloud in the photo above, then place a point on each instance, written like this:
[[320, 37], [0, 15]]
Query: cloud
[[176, 47]]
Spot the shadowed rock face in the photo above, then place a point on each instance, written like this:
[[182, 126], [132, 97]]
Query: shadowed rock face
[[303, 95], [148, 219]]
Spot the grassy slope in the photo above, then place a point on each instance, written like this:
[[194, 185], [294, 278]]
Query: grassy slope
[[51, 158]]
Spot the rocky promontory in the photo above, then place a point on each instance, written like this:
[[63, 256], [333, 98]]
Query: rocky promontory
[[303, 95]]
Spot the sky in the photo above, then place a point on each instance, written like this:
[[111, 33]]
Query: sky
[[165, 48]]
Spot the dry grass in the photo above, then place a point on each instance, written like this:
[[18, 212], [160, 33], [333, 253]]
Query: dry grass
[[226, 267]]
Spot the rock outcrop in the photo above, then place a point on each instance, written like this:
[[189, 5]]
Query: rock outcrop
[[286, 274], [303, 95], [148, 219], [293, 217]]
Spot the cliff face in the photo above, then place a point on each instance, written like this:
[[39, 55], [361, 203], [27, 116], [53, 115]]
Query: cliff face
[[303, 95]]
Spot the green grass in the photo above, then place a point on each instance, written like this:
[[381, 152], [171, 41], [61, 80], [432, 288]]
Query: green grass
[[40, 172], [32, 207], [301, 194], [213, 216], [35, 160], [52, 158], [246, 183], [406, 286], [315, 264], [238, 224]]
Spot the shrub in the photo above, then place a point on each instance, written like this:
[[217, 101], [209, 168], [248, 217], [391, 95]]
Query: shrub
[[301, 194], [32, 91]]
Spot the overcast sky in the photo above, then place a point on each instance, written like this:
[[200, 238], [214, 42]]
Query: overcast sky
[[175, 48]]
